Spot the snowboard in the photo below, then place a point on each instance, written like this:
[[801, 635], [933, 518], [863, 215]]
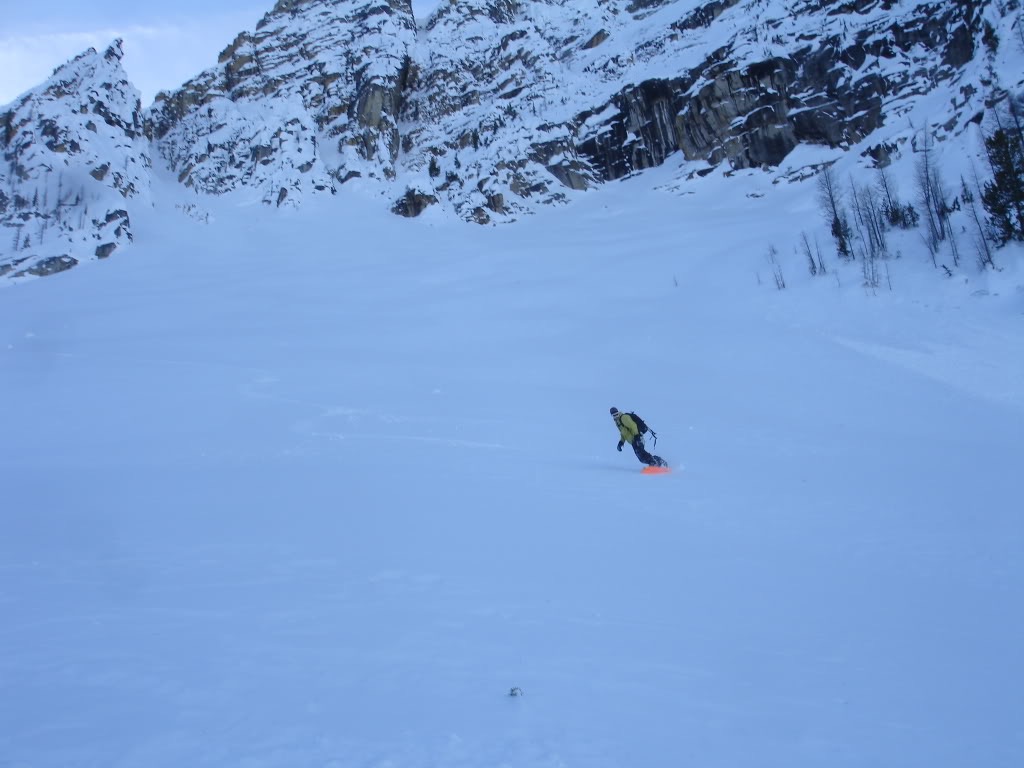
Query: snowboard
[[662, 469]]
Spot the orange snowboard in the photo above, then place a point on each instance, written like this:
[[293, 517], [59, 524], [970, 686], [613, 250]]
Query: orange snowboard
[[656, 470]]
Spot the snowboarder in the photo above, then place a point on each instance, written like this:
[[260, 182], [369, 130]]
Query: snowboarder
[[632, 429]]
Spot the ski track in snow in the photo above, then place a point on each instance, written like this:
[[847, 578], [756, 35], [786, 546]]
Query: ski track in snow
[[975, 371]]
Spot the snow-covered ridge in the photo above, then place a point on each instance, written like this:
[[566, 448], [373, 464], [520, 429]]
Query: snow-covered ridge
[[491, 108], [75, 163], [307, 100]]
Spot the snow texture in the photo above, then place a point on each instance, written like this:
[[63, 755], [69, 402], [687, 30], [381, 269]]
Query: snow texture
[[325, 488]]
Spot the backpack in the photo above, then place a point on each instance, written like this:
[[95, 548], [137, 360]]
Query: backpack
[[639, 423]]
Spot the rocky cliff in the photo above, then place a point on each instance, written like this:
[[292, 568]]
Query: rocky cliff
[[75, 160], [492, 107], [601, 90], [308, 100]]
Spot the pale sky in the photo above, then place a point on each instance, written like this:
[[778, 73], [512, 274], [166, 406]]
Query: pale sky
[[164, 43]]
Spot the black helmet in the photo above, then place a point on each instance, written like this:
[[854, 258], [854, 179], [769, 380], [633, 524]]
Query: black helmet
[[613, 410]]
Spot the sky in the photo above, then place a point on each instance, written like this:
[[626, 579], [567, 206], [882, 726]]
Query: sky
[[275, 498], [163, 48]]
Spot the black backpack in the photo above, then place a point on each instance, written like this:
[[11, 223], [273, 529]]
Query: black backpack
[[639, 423]]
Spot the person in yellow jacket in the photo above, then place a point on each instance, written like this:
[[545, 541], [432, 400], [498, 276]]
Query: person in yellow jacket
[[632, 429]]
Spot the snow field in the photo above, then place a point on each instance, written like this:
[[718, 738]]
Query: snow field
[[320, 488]]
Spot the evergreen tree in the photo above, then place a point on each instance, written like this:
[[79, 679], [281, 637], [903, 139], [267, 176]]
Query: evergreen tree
[[1003, 197]]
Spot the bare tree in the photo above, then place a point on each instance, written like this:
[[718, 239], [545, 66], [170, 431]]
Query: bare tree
[[943, 214], [869, 217], [773, 262], [895, 212], [885, 186], [980, 238], [821, 259], [869, 268], [805, 246], [934, 199], [829, 197], [926, 196]]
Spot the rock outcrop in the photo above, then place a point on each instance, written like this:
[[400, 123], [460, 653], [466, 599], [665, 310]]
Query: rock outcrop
[[307, 101], [826, 87], [649, 78], [74, 154], [490, 108]]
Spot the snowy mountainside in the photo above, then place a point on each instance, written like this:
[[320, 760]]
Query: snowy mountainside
[[75, 163], [306, 101], [491, 108], [551, 95]]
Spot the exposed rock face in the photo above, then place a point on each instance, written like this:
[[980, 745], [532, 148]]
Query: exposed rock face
[[564, 74], [307, 101], [73, 154], [413, 203], [489, 108]]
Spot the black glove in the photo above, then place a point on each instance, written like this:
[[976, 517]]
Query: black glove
[[619, 446]]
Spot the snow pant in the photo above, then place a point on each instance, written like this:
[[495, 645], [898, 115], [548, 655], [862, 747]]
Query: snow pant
[[641, 452]]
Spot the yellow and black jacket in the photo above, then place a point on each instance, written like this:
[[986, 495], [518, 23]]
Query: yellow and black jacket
[[628, 428]]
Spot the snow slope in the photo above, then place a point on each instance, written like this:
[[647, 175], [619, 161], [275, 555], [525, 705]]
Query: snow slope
[[323, 493]]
